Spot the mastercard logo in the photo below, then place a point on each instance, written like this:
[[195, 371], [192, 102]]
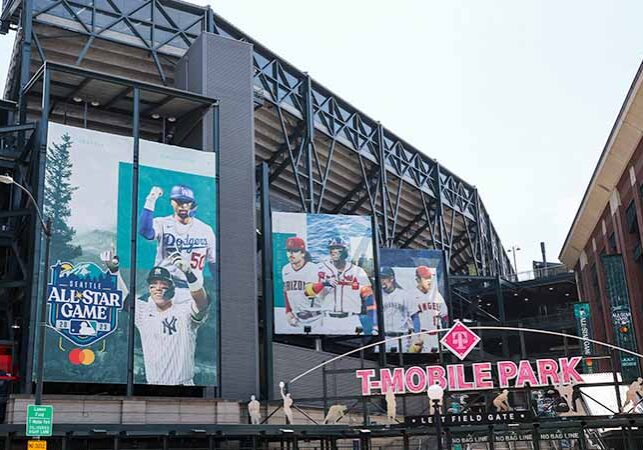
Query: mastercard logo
[[81, 356]]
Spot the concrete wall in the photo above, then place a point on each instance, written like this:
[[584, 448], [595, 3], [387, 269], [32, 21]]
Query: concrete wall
[[222, 68]]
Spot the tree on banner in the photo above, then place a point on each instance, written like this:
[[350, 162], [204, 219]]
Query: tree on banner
[[58, 193]]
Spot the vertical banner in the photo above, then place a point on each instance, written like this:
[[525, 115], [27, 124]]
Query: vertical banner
[[176, 267], [413, 298], [583, 317], [617, 295], [86, 195], [322, 266]]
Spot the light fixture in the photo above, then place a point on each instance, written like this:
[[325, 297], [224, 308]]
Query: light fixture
[[15, 326], [6, 179], [171, 119], [567, 294], [488, 304], [77, 99], [364, 430], [198, 430], [95, 103], [156, 116], [515, 294], [286, 430], [98, 431], [526, 299], [551, 288], [435, 392]]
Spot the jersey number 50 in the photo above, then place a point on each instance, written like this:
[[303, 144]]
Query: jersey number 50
[[197, 261]]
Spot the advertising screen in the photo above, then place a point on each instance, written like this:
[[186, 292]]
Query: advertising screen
[[89, 191], [323, 267], [413, 298]]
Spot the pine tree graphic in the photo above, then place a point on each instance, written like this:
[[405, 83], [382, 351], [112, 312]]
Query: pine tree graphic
[[58, 193]]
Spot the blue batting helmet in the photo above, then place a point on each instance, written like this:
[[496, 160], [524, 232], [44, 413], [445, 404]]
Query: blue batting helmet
[[182, 193], [339, 242]]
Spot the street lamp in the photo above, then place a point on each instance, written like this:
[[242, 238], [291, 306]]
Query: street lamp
[[436, 393], [46, 229], [514, 249]]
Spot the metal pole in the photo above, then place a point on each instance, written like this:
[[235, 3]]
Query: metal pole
[[133, 240], [40, 369], [490, 436], [377, 291], [267, 282], [438, 422], [615, 379]]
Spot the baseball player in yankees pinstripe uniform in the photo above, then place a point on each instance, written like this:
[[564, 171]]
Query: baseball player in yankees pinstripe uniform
[[168, 330], [180, 232]]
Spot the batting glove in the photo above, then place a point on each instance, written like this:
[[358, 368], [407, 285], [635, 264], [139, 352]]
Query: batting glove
[[152, 197], [110, 260]]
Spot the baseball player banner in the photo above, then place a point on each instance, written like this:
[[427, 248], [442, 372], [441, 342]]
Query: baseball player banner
[[413, 288], [323, 267], [86, 336], [176, 290]]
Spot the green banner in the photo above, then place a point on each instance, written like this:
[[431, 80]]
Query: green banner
[[583, 317], [617, 295]]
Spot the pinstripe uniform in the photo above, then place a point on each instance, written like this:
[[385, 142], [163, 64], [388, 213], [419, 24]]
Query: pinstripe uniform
[[168, 339]]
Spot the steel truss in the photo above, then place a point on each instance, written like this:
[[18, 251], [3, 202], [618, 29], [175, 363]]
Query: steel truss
[[312, 121]]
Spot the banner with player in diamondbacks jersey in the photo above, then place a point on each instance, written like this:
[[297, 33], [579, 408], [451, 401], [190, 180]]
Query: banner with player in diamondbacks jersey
[[413, 298], [323, 267]]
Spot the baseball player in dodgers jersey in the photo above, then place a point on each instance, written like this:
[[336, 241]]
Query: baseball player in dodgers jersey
[[181, 232], [345, 292], [168, 330], [302, 307], [428, 310]]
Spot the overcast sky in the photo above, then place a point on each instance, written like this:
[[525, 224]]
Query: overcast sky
[[515, 97]]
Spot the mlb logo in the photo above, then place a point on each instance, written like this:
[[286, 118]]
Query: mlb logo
[[83, 327]]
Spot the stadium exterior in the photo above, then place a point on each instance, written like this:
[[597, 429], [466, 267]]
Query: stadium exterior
[[171, 72]]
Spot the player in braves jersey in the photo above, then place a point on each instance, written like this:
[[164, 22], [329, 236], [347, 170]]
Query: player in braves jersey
[[302, 307], [397, 313], [428, 310], [168, 330], [345, 292]]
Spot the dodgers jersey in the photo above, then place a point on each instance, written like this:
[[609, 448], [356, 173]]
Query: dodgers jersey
[[168, 339], [430, 307], [345, 297], [195, 241], [397, 314], [295, 281]]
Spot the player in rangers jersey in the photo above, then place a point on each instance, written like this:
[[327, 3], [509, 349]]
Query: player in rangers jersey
[[168, 330], [180, 232], [397, 314], [302, 307], [429, 310], [345, 292]]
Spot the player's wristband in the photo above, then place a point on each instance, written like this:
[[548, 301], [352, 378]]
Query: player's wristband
[[150, 203], [193, 281]]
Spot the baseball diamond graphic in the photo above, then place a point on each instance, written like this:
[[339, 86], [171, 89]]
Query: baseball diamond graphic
[[527, 330]]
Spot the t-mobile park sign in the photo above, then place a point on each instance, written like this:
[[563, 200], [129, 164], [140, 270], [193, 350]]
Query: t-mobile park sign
[[460, 340]]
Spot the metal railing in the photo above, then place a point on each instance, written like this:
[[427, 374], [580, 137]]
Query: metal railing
[[539, 273]]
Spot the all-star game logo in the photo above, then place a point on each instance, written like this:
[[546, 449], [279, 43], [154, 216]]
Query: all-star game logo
[[84, 302]]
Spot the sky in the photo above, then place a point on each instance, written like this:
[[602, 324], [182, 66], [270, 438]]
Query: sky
[[516, 98]]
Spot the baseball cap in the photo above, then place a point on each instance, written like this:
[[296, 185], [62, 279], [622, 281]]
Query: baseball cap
[[387, 272], [423, 272], [295, 243]]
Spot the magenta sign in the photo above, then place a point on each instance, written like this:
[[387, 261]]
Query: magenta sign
[[460, 340]]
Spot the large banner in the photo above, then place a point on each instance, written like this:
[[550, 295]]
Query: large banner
[[583, 316], [619, 300], [322, 267], [89, 184], [413, 298], [86, 340], [176, 256]]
